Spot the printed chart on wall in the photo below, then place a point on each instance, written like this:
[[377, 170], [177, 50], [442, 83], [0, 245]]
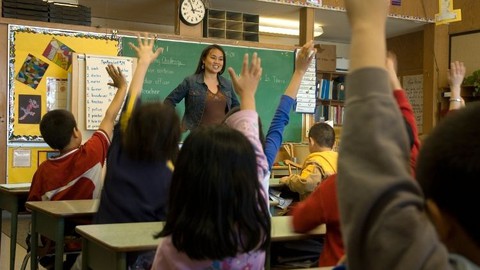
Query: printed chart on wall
[[99, 94], [413, 85], [40, 61]]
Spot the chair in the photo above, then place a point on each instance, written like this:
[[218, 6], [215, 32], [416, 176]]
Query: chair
[[72, 246], [291, 164]]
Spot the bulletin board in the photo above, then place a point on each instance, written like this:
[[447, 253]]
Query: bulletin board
[[40, 61], [40, 65]]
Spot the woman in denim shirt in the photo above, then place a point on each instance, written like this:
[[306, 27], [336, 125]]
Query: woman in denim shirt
[[208, 96]]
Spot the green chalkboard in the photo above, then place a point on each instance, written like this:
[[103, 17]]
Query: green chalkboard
[[179, 60]]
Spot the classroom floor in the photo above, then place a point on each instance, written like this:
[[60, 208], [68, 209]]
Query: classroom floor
[[5, 245]]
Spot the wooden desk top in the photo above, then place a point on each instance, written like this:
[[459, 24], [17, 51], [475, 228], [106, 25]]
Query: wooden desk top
[[140, 235], [15, 189], [282, 230], [113, 236], [65, 208]]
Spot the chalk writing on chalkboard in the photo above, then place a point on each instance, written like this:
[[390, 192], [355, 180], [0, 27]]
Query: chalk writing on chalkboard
[[413, 86], [99, 94]]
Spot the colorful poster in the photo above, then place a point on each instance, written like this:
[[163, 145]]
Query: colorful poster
[[29, 109], [32, 71], [59, 53]]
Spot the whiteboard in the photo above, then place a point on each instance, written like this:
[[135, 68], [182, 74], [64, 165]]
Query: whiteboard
[[464, 48]]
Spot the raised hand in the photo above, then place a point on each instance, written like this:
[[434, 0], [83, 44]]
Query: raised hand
[[145, 48], [116, 74], [246, 83], [305, 57], [456, 74]]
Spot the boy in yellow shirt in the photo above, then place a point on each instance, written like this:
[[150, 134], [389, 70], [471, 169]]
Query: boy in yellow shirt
[[321, 162]]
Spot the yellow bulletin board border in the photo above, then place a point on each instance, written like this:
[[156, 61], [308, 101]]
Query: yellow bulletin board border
[[27, 43]]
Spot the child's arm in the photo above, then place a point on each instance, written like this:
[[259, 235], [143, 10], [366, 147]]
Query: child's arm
[[246, 120], [146, 55], [405, 108], [380, 203], [456, 73], [274, 136], [119, 82]]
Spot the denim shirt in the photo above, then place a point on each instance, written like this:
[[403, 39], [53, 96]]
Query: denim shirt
[[194, 90]]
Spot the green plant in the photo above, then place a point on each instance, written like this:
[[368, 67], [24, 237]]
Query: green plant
[[473, 80]]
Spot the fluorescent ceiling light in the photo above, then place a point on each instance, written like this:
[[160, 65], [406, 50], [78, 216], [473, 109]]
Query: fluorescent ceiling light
[[284, 27]]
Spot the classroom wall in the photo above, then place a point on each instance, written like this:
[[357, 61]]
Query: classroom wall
[[470, 22]]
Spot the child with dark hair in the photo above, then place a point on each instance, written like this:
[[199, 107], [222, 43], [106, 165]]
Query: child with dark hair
[[218, 216], [321, 162], [386, 219], [139, 163], [76, 173]]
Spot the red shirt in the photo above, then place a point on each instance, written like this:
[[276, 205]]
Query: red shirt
[[75, 175], [321, 207]]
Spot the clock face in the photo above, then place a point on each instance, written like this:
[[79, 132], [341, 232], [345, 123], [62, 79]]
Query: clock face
[[192, 11]]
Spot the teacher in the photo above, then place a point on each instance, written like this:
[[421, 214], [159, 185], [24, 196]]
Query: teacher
[[208, 96]]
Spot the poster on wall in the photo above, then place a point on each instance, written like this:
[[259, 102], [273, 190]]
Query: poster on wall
[[40, 61]]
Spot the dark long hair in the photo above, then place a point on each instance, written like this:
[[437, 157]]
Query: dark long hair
[[216, 207], [204, 55], [153, 133]]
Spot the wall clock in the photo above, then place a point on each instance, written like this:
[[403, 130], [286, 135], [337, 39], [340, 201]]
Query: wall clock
[[192, 12]]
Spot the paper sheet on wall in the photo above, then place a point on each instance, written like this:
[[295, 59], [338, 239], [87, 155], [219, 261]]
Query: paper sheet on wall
[[99, 94], [307, 96], [413, 85]]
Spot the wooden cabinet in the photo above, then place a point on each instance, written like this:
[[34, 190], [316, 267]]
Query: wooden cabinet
[[231, 25]]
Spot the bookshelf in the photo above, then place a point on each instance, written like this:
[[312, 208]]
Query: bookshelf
[[231, 25], [330, 97]]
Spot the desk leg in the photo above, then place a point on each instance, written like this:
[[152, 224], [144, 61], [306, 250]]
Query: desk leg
[[13, 235], [34, 242], [59, 244]]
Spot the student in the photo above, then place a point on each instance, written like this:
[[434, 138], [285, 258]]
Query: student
[[76, 173], [319, 164], [274, 137], [384, 215], [139, 162], [456, 74], [78, 168], [321, 207], [218, 216], [208, 95]]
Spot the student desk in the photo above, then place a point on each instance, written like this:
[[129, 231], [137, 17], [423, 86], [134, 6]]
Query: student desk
[[105, 246], [48, 219], [279, 171], [12, 199]]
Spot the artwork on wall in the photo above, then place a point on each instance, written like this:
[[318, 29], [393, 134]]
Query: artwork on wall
[[32, 71], [40, 61]]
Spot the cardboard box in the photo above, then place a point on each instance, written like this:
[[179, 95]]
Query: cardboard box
[[326, 57]]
